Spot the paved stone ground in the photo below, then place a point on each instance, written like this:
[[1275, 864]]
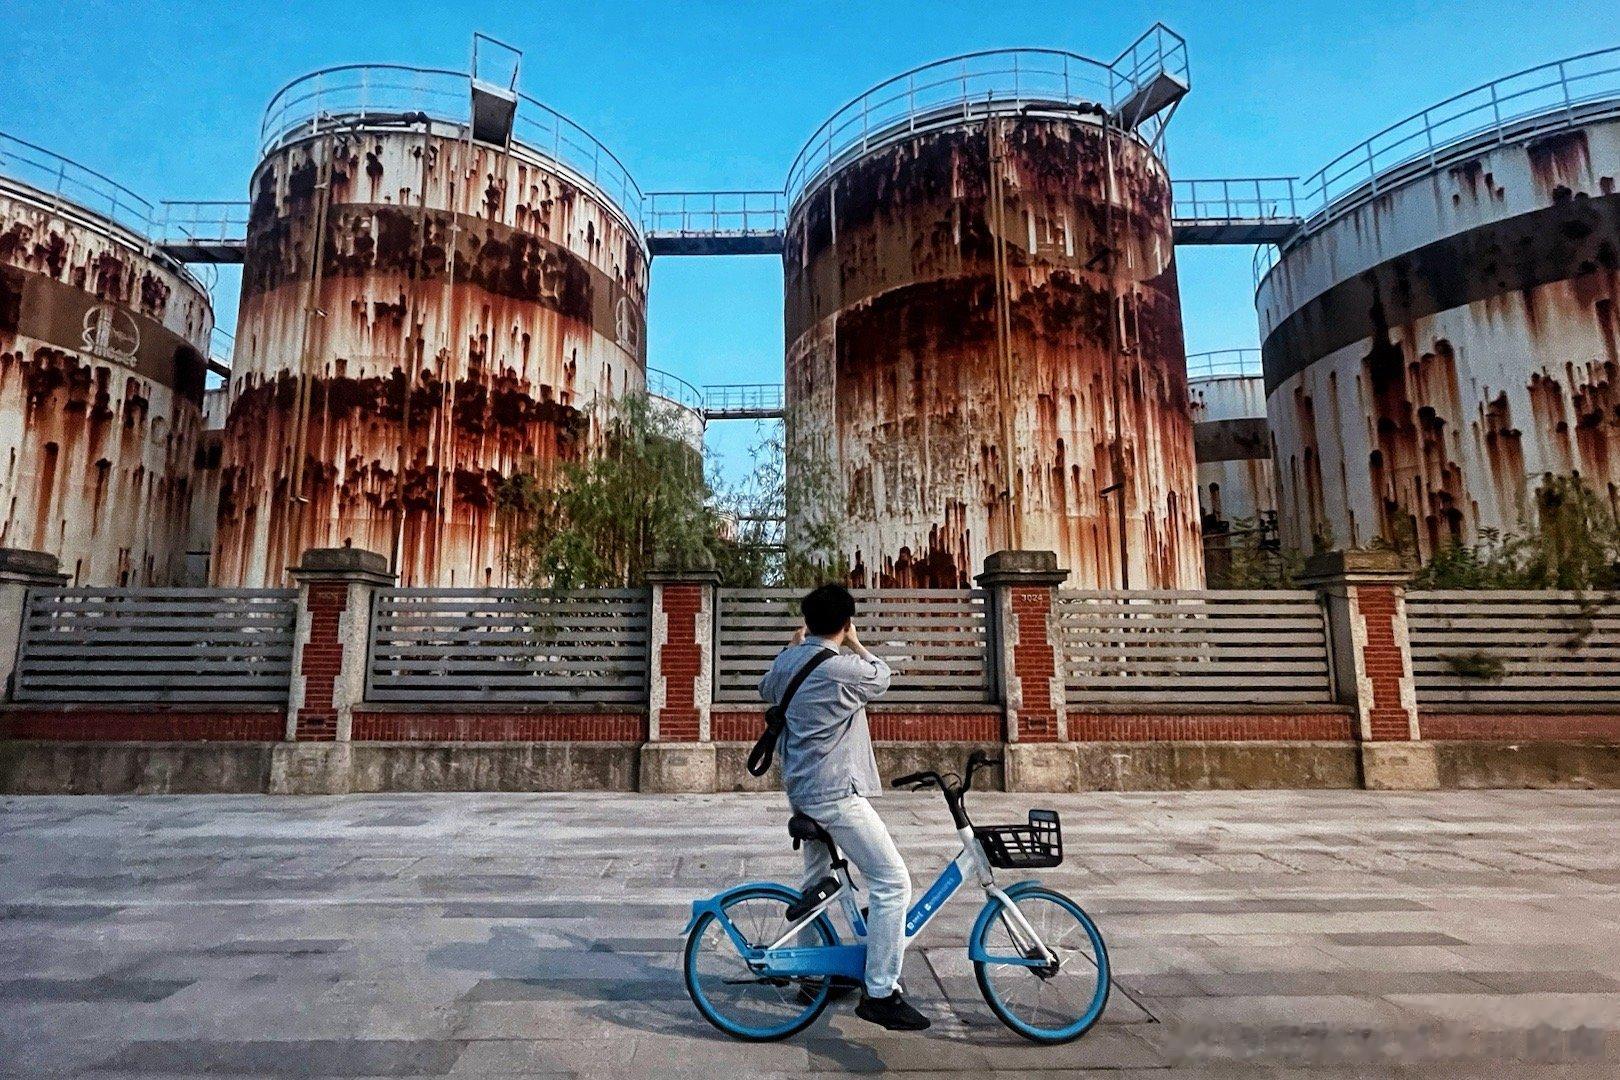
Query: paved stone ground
[[1326, 933]]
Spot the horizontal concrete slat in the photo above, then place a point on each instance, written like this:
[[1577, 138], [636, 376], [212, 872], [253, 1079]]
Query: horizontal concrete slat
[[509, 646], [157, 646]]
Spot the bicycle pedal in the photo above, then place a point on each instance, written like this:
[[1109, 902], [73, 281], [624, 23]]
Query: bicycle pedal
[[821, 890]]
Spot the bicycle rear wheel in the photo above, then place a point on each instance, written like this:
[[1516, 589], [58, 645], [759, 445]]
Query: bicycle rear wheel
[[1047, 1004], [732, 996]]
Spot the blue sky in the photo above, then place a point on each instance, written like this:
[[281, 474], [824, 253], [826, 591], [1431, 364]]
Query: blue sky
[[166, 97]]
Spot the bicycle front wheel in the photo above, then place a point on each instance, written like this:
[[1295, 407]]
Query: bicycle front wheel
[[1049, 1003], [731, 995]]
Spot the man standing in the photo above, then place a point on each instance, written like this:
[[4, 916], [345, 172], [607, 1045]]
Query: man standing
[[829, 773]]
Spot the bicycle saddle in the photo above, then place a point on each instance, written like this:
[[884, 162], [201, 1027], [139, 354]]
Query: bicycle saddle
[[803, 827]]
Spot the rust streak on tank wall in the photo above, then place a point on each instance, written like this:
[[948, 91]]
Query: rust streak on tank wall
[[470, 308], [893, 377], [101, 381]]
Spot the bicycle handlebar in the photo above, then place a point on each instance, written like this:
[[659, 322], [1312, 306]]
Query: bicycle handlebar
[[953, 787]]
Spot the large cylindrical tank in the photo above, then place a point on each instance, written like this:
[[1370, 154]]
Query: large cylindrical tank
[[984, 351], [1441, 338], [102, 361], [1230, 442], [423, 317]]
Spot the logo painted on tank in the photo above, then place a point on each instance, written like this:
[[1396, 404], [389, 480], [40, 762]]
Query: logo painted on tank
[[111, 333], [624, 325]]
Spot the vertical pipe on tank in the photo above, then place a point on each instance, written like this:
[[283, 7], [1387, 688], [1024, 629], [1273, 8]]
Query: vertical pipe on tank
[[1011, 498], [306, 351], [1116, 454]]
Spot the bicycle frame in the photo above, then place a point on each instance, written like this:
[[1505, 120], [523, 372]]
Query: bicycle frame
[[778, 960]]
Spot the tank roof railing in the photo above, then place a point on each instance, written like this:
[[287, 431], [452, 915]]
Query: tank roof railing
[[1552, 91], [960, 87], [672, 387], [396, 92], [1224, 364], [69, 183], [101, 202]]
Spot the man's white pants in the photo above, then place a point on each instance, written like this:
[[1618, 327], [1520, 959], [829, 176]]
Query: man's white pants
[[865, 841]]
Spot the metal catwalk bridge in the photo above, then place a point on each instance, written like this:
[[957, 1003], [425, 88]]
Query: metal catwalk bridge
[[1248, 210]]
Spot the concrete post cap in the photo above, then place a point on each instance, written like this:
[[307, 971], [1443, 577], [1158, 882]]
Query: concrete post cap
[[683, 577], [344, 562], [1355, 567], [31, 567], [1021, 568]]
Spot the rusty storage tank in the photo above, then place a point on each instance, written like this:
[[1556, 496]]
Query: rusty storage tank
[[1236, 501], [205, 485], [1230, 441], [984, 343], [102, 360], [1441, 334], [435, 297]]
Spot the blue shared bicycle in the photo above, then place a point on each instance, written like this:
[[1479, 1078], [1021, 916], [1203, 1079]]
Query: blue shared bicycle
[[763, 960]]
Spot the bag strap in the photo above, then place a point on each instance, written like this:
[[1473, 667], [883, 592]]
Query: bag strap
[[759, 758]]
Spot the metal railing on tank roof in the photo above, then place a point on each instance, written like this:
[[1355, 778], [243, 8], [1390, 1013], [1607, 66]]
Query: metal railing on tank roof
[[399, 93], [1224, 364], [674, 388], [1548, 96], [100, 202], [1554, 91], [947, 91]]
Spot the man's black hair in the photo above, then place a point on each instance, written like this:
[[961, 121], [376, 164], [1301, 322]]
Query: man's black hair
[[827, 609]]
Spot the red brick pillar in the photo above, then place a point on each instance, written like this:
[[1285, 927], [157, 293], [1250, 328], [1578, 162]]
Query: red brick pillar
[[679, 755], [330, 642], [1364, 593], [1027, 655]]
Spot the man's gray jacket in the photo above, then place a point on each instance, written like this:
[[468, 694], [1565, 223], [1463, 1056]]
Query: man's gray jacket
[[826, 747]]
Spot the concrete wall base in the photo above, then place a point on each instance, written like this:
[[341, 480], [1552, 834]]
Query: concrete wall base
[[1043, 766], [313, 768], [1399, 766], [48, 767], [512, 766], [1208, 766], [677, 768], [893, 758], [1486, 764]]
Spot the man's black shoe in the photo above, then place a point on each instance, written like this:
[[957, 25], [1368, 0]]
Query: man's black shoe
[[891, 1012]]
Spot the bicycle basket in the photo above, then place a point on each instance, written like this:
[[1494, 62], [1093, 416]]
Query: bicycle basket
[[1021, 847]]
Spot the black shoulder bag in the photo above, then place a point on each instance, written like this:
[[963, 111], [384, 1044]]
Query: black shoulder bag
[[759, 758]]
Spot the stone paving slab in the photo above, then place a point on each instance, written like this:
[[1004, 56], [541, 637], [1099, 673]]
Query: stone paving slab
[[1252, 934]]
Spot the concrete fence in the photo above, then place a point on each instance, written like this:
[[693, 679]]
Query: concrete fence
[[348, 682]]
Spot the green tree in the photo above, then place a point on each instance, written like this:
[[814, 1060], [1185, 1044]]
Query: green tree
[[1250, 556], [641, 503], [1572, 543]]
